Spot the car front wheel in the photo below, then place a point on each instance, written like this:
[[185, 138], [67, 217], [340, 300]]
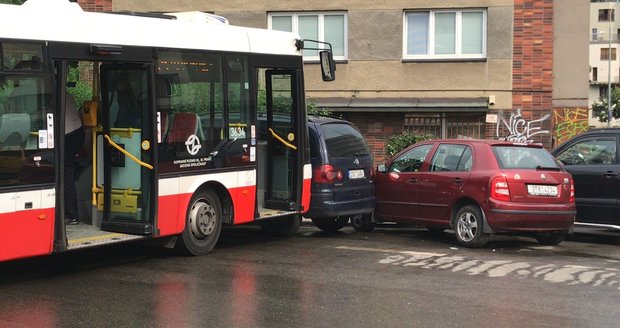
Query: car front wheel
[[362, 222], [468, 227]]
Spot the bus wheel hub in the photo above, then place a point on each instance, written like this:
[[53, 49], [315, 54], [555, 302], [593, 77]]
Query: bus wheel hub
[[202, 220]]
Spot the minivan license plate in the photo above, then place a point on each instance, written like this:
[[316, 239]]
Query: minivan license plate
[[542, 190], [356, 174]]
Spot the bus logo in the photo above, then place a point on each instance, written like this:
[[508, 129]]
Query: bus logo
[[193, 144]]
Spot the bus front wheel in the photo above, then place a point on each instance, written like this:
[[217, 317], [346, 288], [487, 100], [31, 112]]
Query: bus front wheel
[[203, 224]]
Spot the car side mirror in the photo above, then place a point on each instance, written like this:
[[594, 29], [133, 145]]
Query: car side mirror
[[328, 65], [381, 168]]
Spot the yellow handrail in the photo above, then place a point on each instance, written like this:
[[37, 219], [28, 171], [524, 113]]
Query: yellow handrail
[[133, 158], [282, 140]]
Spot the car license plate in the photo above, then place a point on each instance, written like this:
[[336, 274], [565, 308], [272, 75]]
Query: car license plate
[[542, 190], [356, 174]]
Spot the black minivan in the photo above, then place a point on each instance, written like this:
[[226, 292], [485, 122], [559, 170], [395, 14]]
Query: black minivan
[[593, 159], [342, 169]]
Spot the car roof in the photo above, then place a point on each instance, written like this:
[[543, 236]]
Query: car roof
[[602, 130], [489, 142], [318, 119]]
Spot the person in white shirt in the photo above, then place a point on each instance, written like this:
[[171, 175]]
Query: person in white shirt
[[74, 140]]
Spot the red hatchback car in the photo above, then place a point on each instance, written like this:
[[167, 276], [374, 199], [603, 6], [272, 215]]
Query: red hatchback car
[[476, 188]]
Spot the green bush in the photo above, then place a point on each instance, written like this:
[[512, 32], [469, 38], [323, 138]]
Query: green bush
[[399, 142]]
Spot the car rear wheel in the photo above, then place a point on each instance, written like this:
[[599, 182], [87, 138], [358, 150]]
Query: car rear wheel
[[284, 226], [468, 227], [362, 222], [551, 238], [330, 224]]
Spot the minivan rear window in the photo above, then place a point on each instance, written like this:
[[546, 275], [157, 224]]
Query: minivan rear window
[[343, 140], [515, 157]]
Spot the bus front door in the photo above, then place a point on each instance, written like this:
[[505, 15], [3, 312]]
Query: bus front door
[[125, 172], [281, 141]]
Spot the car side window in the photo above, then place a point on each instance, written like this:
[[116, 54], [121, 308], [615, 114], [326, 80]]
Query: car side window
[[411, 161], [447, 158], [591, 151]]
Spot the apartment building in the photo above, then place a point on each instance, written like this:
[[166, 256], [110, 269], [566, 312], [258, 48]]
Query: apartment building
[[604, 41], [501, 69]]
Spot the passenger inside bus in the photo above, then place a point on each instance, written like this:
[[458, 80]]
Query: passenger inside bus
[[128, 111]]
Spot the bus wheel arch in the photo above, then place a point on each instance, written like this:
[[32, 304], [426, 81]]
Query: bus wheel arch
[[203, 221]]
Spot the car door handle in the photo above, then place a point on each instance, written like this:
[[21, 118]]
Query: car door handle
[[610, 174], [457, 181], [412, 180]]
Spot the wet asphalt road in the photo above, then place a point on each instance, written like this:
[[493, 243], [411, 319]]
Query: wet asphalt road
[[392, 277]]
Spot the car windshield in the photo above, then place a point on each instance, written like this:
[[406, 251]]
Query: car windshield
[[519, 157], [342, 140]]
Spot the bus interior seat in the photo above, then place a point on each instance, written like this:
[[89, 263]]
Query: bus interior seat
[[183, 125]]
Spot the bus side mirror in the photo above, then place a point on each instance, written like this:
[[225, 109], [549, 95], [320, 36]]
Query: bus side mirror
[[328, 65]]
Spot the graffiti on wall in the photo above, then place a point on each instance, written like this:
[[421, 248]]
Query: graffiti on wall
[[519, 128], [569, 122]]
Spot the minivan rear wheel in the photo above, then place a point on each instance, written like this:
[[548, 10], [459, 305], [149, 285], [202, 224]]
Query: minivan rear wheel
[[330, 224], [284, 226], [468, 227], [362, 222], [551, 238]]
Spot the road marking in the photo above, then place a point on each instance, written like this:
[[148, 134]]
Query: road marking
[[552, 273]]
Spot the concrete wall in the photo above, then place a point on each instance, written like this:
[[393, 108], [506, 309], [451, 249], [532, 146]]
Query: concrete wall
[[375, 68]]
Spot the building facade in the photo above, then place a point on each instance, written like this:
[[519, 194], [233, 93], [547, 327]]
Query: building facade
[[604, 41], [512, 69]]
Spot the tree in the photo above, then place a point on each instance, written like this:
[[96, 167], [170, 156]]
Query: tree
[[600, 109]]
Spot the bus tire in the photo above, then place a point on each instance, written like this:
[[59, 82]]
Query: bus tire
[[284, 226], [203, 224]]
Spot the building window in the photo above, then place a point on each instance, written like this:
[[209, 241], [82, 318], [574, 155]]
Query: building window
[[322, 26], [594, 34], [605, 54], [449, 34], [605, 15], [594, 74]]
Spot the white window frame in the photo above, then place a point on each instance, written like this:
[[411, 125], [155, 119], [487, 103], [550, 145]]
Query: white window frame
[[458, 38], [321, 22]]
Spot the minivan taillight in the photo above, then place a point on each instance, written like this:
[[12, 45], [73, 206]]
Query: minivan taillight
[[326, 174], [499, 189], [571, 198]]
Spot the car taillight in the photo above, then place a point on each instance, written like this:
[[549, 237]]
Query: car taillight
[[326, 174], [499, 189], [571, 198]]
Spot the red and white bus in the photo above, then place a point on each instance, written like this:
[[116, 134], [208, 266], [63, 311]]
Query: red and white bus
[[193, 123]]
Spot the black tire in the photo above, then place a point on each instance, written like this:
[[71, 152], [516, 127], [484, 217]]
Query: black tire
[[284, 226], [203, 224], [330, 224], [362, 222], [551, 238], [468, 227]]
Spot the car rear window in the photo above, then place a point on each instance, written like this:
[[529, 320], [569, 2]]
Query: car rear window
[[518, 157], [343, 140]]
